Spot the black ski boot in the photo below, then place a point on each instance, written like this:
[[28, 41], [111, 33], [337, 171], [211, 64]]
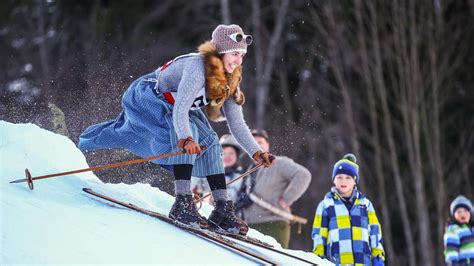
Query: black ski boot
[[223, 218], [184, 211]]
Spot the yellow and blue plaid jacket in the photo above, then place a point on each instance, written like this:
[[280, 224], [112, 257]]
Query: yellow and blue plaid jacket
[[347, 237]]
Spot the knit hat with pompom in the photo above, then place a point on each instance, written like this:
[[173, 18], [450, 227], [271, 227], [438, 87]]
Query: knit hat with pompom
[[347, 165]]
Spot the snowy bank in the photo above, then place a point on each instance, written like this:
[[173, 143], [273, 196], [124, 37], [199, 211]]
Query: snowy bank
[[58, 223]]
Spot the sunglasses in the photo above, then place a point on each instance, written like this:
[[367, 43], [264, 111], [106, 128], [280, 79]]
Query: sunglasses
[[238, 37]]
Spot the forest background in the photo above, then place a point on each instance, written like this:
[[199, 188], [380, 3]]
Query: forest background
[[390, 81]]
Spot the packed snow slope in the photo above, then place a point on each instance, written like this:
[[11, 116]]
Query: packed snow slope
[[58, 223]]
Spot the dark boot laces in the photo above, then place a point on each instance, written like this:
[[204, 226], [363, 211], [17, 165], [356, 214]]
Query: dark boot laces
[[229, 207], [188, 206], [229, 210], [191, 208]]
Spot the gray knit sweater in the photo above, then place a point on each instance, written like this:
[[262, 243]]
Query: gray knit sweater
[[186, 76], [285, 180]]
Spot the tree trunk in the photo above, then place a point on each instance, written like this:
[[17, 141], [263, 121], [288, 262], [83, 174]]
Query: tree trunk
[[335, 57], [44, 52], [389, 131], [431, 112], [265, 60], [161, 9], [225, 12], [415, 87], [375, 139]]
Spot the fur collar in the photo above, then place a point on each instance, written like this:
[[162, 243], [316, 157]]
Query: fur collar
[[220, 85]]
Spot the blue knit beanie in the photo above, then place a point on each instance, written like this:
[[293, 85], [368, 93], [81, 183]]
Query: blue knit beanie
[[347, 165], [458, 202]]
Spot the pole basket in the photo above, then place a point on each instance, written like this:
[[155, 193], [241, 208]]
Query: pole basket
[[29, 180]]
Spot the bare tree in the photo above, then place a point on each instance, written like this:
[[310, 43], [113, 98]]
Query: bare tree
[[156, 13], [337, 58], [389, 131], [375, 138], [265, 53], [225, 12], [44, 49]]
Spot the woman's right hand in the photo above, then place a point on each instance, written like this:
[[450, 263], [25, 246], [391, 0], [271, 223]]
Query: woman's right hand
[[189, 146]]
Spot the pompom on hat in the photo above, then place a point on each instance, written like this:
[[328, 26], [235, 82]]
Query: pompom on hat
[[347, 165], [230, 38], [460, 202]]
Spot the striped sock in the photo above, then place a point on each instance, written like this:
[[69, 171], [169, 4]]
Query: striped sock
[[182, 187], [220, 194]]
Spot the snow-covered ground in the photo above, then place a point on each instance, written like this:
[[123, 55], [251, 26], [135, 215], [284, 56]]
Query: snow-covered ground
[[58, 223]]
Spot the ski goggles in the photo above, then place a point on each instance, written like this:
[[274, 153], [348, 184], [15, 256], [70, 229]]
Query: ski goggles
[[238, 37]]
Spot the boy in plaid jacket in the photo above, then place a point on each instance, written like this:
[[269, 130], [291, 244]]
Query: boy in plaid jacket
[[345, 228]]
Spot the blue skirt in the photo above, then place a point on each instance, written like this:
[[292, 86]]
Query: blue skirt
[[145, 127]]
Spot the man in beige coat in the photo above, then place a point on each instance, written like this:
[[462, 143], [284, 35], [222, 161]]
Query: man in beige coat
[[279, 185]]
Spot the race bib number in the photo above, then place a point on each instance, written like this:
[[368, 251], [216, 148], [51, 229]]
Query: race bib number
[[199, 102]]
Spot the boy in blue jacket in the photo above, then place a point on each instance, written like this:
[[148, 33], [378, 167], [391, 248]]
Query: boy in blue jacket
[[459, 235], [345, 228]]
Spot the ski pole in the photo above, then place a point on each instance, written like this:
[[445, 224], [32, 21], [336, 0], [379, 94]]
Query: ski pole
[[253, 169], [30, 179], [288, 215]]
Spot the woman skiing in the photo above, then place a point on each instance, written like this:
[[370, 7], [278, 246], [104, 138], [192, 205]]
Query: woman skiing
[[161, 114]]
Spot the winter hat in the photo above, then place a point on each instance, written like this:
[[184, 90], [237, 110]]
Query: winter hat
[[347, 165], [459, 202], [230, 38], [229, 140], [260, 133]]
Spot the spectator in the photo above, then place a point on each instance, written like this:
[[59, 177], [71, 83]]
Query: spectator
[[280, 186], [459, 237], [232, 169], [345, 228]]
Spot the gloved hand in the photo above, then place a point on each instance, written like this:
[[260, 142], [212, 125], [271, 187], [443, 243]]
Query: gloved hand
[[377, 261], [263, 157], [320, 251], [189, 146]]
